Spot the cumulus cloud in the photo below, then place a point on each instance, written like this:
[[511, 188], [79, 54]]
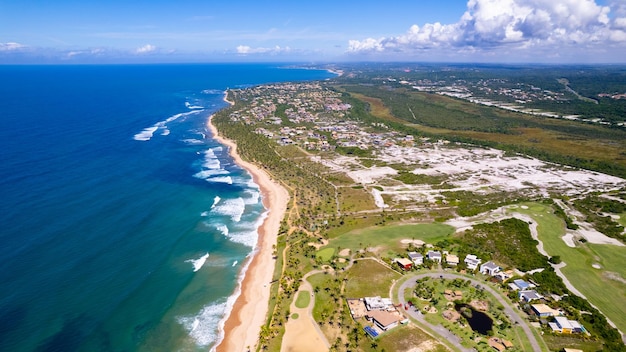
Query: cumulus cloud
[[148, 48], [245, 50], [11, 46], [489, 24]]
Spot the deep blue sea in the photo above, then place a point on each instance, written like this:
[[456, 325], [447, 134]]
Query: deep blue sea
[[123, 225]]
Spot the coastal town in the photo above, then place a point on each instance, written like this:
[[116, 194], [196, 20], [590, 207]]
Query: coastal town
[[412, 282]]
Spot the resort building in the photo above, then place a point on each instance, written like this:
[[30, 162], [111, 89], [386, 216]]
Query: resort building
[[544, 311], [471, 261], [435, 256], [452, 260], [564, 326], [378, 303], [519, 284], [529, 295], [490, 268], [404, 263], [384, 320], [417, 258]]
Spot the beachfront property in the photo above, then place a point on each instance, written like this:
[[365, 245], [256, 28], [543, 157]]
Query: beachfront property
[[435, 256], [562, 325], [490, 268], [417, 258], [471, 261]]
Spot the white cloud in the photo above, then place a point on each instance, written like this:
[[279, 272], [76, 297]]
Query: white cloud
[[148, 48], [245, 50], [489, 25], [11, 46]]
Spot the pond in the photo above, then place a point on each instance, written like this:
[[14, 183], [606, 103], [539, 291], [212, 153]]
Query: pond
[[477, 320]]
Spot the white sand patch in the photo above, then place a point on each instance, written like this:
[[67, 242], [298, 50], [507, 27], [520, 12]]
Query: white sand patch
[[378, 199], [368, 176], [594, 236], [344, 252], [596, 266], [417, 243], [524, 207], [568, 238]]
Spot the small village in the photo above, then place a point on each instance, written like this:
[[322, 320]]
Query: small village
[[472, 302]]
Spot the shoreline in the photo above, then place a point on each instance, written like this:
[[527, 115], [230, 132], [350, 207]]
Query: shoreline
[[242, 325]]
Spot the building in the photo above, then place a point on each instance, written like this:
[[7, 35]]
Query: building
[[435, 256], [404, 263], [384, 320], [417, 258], [519, 284], [471, 261], [564, 326], [529, 295], [377, 303], [544, 311], [490, 268], [452, 260]]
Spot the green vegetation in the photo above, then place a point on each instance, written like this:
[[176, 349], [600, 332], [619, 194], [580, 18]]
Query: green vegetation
[[583, 276], [566, 142], [326, 254], [595, 209], [389, 237], [503, 241], [303, 299], [368, 278]]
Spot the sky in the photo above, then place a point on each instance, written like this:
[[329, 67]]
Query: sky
[[150, 31]]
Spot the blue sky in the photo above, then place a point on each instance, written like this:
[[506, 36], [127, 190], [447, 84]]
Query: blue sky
[[88, 31]]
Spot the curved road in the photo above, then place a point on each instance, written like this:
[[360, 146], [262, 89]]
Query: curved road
[[447, 334]]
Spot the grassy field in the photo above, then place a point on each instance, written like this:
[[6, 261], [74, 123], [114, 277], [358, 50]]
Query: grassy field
[[600, 286], [369, 278], [303, 299], [449, 117], [389, 236], [406, 338], [325, 254]]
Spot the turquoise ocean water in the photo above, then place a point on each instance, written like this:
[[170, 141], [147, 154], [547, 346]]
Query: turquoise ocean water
[[124, 225]]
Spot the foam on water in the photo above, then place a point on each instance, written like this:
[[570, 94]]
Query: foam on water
[[222, 179], [198, 263], [254, 196], [193, 107], [223, 229], [192, 141], [215, 201], [235, 262], [208, 174], [231, 207], [201, 327], [148, 133]]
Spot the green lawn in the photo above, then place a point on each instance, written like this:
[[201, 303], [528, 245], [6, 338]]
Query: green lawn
[[303, 299], [369, 278], [595, 284], [325, 254], [390, 236]]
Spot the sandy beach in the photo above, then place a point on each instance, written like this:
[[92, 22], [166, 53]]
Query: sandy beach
[[243, 325]]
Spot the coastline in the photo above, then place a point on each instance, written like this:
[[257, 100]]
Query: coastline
[[243, 324]]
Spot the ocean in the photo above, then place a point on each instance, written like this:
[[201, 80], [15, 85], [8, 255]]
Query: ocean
[[124, 225]]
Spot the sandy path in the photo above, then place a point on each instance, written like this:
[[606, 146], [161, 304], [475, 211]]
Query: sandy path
[[303, 334], [243, 325]]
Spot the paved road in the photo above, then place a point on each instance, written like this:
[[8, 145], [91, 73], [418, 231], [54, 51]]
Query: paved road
[[447, 334]]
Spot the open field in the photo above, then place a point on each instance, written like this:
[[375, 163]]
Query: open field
[[389, 237], [445, 117], [368, 278], [610, 259]]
